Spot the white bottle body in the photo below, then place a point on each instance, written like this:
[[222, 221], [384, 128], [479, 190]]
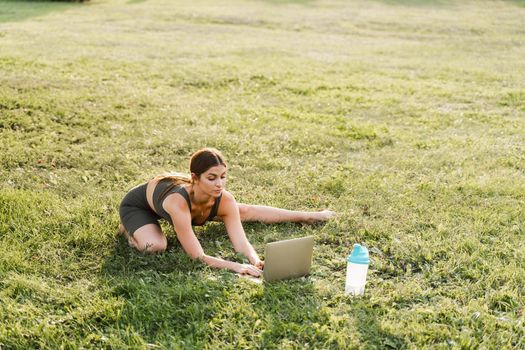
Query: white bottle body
[[355, 278]]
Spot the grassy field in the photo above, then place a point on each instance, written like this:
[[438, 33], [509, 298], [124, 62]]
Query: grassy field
[[405, 117]]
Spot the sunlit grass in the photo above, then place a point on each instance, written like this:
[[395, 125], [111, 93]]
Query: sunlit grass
[[406, 117]]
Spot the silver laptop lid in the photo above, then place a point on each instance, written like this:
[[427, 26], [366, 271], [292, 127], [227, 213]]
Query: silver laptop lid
[[288, 259]]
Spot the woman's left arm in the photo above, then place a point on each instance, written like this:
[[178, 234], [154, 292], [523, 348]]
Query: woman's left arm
[[229, 212]]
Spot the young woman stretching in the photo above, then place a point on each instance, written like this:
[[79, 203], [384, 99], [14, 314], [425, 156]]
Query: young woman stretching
[[185, 202]]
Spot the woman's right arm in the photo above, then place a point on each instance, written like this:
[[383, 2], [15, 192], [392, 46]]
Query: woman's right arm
[[177, 207]]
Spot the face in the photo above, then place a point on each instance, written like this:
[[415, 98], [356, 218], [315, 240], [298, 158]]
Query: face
[[212, 181]]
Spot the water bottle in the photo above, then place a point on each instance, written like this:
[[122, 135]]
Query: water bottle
[[356, 269]]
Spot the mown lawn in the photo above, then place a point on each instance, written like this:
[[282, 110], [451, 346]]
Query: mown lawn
[[405, 117]]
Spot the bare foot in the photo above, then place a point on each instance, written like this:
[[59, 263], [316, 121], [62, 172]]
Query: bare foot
[[323, 215], [122, 231]]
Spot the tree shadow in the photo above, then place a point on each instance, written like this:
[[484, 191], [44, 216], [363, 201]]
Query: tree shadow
[[20, 10], [170, 299], [292, 315], [166, 297], [372, 334]]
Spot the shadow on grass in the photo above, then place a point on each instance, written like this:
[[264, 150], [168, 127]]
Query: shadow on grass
[[171, 300], [372, 334], [292, 315], [166, 301], [20, 10]]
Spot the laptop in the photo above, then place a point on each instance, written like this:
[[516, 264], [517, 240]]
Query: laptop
[[288, 259]]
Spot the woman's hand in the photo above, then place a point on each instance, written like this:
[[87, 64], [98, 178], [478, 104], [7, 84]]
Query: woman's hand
[[258, 263], [247, 269]]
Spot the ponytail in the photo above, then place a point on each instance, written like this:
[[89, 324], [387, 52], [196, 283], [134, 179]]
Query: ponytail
[[175, 178]]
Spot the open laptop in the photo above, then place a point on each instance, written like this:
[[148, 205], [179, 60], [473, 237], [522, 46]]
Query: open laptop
[[288, 259]]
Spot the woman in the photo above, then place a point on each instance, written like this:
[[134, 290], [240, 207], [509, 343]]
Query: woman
[[185, 202]]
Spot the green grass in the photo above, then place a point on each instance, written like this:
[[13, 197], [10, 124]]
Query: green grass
[[406, 117]]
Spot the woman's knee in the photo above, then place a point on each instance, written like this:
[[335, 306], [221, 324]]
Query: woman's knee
[[157, 248], [150, 239], [153, 245]]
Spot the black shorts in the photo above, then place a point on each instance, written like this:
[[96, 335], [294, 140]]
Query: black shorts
[[135, 211]]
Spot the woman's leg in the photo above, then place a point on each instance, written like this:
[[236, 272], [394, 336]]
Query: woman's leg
[[270, 215], [148, 238]]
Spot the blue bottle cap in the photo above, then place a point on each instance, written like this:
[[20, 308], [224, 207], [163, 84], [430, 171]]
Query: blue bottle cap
[[359, 255]]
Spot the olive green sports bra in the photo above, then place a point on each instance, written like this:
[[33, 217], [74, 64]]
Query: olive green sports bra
[[157, 201]]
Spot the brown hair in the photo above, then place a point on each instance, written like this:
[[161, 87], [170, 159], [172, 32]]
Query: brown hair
[[200, 162], [204, 159]]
